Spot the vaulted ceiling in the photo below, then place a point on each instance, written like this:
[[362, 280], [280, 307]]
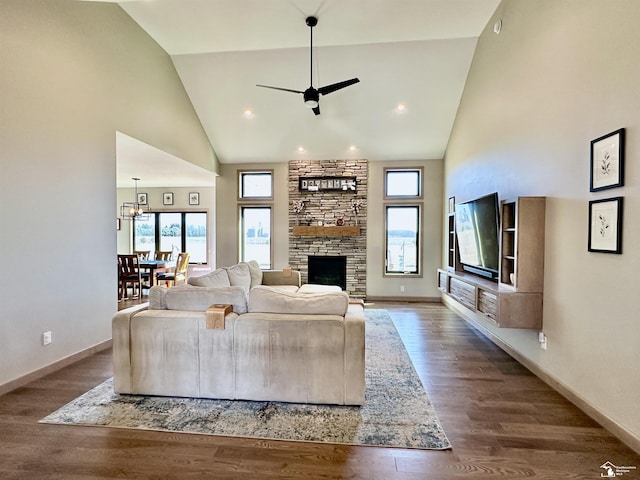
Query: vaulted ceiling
[[411, 52]]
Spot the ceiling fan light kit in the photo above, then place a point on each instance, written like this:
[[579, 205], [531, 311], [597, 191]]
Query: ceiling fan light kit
[[311, 95]]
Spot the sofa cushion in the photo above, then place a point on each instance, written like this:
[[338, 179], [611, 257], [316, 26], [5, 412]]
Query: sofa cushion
[[269, 300], [217, 278], [314, 288], [256, 273], [198, 299], [239, 276]]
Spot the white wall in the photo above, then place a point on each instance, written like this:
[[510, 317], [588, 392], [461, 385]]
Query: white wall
[[73, 73], [560, 74]]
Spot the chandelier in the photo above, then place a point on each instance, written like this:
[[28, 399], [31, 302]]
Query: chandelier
[[137, 210]]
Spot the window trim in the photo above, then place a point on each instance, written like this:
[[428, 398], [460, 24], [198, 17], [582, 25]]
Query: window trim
[[240, 224], [413, 198], [183, 233], [420, 240], [241, 174]]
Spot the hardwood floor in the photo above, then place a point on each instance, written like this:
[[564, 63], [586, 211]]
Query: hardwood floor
[[502, 421]]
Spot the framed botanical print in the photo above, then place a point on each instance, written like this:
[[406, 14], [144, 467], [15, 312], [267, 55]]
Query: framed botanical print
[[607, 161], [605, 225], [167, 198]]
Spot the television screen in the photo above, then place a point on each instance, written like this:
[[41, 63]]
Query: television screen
[[477, 235]]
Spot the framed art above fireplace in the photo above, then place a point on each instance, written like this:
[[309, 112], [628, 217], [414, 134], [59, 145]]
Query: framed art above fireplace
[[334, 184]]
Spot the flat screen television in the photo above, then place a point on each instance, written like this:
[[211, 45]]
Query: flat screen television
[[477, 234]]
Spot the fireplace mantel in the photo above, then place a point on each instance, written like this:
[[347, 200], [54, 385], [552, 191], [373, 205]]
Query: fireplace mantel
[[326, 231]]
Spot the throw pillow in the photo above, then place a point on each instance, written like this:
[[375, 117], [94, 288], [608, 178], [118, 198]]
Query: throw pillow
[[217, 278], [256, 273], [240, 276]]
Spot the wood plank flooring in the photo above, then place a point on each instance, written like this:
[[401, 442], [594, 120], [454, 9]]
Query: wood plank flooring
[[502, 421]]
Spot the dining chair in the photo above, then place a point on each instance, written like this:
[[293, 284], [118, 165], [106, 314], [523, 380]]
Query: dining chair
[[179, 274], [160, 255], [142, 254], [129, 273]]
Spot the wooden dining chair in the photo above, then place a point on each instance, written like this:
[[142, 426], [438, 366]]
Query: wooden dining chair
[[142, 254], [179, 274], [129, 274], [160, 255]]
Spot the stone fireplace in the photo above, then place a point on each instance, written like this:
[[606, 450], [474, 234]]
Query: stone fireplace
[[309, 239]]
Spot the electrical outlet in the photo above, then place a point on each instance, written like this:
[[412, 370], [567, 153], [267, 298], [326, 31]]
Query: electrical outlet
[[542, 339], [46, 338], [402, 288]]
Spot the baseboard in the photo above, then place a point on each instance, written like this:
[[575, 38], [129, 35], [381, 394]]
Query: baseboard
[[617, 430], [404, 299], [60, 364]]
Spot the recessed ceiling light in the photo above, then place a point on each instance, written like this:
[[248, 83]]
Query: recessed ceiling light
[[248, 113], [401, 107], [300, 149], [353, 148]]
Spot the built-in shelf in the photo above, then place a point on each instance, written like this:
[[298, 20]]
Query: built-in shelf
[[327, 231]]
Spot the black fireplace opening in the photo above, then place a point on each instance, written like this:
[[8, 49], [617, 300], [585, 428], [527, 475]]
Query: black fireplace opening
[[328, 270]]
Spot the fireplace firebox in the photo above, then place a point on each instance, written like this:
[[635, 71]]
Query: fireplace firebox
[[327, 270]]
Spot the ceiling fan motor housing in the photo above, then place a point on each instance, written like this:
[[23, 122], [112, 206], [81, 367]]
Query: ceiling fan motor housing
[[311, 97]]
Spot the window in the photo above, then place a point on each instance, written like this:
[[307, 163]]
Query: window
[[402, 239], [173, 231], [403, 183], [255, 185], [255, 235]]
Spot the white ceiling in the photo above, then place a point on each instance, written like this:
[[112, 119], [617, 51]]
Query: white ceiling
[[415, 52]]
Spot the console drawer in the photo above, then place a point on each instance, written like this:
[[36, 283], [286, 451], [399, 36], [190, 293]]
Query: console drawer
[[443, 283], [463, 292], [488, 303]]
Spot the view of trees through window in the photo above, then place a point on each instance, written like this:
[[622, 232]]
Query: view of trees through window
[[175, 232]]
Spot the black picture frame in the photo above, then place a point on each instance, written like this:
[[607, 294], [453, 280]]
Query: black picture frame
[[607, 161], [167, 198], [605, 225], [142, 199], [194, 198], [327, 184]]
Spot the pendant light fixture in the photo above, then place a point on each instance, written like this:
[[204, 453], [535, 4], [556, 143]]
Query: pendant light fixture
[[136, 210]]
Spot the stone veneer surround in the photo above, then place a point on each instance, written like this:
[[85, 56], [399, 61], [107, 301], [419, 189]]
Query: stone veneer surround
[[328, 206]]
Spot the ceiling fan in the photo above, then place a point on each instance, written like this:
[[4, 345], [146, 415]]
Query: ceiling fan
[[312, 95]]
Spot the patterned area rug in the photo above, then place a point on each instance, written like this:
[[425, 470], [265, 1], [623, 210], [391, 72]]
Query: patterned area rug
[[396, 413]]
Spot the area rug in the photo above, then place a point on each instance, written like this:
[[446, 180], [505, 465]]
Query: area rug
[[396, 413]]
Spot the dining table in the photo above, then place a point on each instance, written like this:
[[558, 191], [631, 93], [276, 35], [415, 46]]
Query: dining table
[[155, 266]]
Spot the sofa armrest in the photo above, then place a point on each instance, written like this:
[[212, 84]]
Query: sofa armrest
[[354, 354], [120, 332], [280, 277]]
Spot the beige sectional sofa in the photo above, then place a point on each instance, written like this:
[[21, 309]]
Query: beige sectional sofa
[[278, 344]]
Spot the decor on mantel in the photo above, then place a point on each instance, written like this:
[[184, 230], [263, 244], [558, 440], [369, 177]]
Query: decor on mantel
[[356, 205], [139, 209], [298, 208]]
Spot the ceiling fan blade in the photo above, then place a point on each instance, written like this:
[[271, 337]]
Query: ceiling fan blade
[[337, 86], [280, 88], [316, 110]]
